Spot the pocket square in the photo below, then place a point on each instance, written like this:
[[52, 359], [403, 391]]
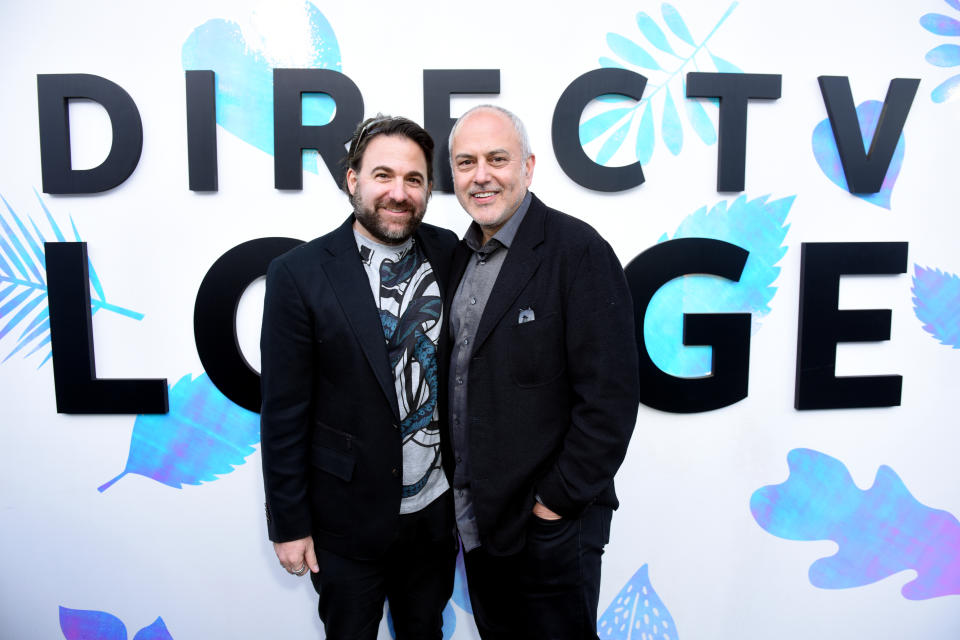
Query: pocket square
[[526, 315]]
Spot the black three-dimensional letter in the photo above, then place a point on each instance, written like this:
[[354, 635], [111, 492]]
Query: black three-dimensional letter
[[727, 333], [215, 317], [75, 379], [53, 93], [734, 91], [822, 325]]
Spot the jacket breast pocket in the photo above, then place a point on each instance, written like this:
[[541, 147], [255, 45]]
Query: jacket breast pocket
[[333, 452], [537, 351]]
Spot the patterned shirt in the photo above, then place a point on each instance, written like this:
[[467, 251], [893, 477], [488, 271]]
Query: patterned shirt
[[408, 298]]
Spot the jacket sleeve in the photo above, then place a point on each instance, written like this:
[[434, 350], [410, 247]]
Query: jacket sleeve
[[604, 380], [286, 383]]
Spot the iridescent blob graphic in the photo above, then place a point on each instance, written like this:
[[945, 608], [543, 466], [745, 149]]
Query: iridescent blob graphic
[[880, 531], [205, 435], [825, 151], [936, 302], [243, 58], [77, 624], [756, 225], [637, 613]]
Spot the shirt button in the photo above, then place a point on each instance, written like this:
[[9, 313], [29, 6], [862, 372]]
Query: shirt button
[[459, 460], [395, 472], [459, 380], [466, 341], [396, 426], [473, 301]]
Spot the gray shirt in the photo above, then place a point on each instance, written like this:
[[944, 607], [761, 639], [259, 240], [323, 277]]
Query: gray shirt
[[465, 313]]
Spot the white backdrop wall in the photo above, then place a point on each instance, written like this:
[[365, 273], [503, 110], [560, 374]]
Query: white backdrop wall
[[692, 536]]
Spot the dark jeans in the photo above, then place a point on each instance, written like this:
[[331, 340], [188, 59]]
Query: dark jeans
[[550, 589], [415, 575]]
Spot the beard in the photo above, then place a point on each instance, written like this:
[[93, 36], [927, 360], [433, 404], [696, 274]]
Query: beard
[[387, 232]]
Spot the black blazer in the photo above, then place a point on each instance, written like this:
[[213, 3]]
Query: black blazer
[[552, 402], [331, 445]]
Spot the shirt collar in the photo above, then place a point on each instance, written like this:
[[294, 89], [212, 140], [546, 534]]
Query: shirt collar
[[504, 236], [373, 252]]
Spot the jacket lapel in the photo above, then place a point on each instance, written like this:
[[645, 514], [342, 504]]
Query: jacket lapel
[[520, 265], [350, 284]]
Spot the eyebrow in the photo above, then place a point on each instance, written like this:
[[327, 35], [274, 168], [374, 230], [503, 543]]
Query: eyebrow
[[485, 153], [390, 170]]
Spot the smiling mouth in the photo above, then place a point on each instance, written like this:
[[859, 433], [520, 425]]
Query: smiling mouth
[[483, 194]]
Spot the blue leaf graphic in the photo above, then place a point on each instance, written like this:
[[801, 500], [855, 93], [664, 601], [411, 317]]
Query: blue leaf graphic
[[723, 66], [947, 90], [666, 80], [156, 631], [461, 595], [953, 3], [631, 52], [598, 124], [940, 24], [700, 121], [244, 75], [613, 143], [756, 225], [936, 303], [77, 624], [673, 19], [881, 531], [645, 136], [23, 281], [672, 131], [827, 156], [637, 612], [653, 33], [205, 435], [946, 55], [608, 63]]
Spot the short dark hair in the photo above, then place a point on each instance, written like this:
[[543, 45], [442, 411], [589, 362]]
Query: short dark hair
[[381, 125]]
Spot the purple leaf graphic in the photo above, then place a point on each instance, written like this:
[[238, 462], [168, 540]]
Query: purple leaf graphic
[[77, 624], [880, 531], [825, 151], [936, 302], [156, 631], [205, 435]]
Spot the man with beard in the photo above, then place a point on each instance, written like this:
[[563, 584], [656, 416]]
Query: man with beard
[[355, 492]]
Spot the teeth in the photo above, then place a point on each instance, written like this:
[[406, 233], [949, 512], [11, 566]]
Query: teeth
[[484, 194]]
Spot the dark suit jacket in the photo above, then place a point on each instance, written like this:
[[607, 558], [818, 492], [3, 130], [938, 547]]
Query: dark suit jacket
[[552, 402], [331, 445]]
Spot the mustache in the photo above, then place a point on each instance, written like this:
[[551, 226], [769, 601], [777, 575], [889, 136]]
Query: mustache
[[390, 203]]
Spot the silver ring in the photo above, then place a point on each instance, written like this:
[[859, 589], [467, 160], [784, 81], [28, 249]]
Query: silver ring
[[302, 570]]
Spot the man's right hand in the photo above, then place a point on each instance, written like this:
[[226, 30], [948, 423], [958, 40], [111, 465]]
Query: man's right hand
[[297, 555]]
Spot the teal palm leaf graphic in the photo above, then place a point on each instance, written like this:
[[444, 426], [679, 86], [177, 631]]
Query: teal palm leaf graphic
[[663, 55], [24, 312]]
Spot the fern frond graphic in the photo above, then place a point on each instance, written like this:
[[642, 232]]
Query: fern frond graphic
[[672, 57], [24, 311]]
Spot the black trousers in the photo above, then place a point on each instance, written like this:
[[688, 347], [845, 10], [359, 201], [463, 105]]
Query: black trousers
[[549, 590], [415, 575]]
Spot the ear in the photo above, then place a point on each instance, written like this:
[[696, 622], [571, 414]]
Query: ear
[[528, 168], [351, 181]]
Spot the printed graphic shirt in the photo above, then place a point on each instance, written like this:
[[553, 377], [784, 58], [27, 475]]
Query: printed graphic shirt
[[408, 297]]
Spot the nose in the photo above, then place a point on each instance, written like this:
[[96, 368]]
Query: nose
[[480, 176], [397, 190]]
